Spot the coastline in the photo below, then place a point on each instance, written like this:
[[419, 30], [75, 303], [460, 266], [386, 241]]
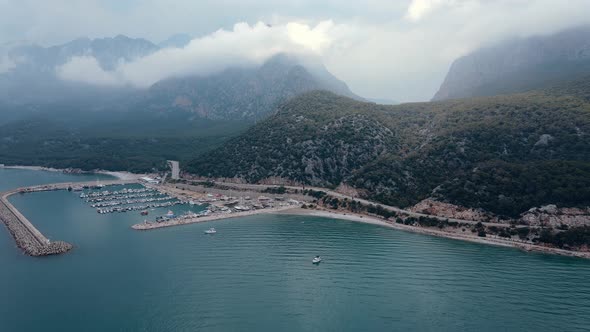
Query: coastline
[[179, 222], [119, 175], [433, 232], [367, 219]]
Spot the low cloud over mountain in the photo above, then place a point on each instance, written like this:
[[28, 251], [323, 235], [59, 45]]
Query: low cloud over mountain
[[243, 46]]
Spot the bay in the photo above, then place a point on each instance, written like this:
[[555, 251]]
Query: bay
[[256, 274]]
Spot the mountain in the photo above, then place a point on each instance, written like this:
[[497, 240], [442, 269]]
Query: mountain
[[49, 122], [28, 77], [244, 93], [179, 40], [519, 65], [503, 154], [108, 52], [31, 78]]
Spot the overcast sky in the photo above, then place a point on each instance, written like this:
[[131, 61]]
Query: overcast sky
[[391, 49]]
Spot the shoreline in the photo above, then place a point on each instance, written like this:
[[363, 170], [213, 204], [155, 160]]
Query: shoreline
[[120, 175], [197, 220], [365, 219]]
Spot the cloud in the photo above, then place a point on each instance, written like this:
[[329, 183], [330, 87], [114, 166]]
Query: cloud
[[86, 69], [391, 49], [243, 46], [420, 8], [6, 64]]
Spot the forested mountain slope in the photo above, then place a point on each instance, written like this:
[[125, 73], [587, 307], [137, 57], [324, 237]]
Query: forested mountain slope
[[504, 154]]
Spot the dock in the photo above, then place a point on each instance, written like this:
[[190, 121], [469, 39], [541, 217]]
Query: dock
[[179, 221], [26, 236]]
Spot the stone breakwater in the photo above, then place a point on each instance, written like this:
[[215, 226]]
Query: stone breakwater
[[29, 239]]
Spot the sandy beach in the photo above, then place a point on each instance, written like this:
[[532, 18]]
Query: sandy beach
[[497, 241], [35, 168], [118, 175]]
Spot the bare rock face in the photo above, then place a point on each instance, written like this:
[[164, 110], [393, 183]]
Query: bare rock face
[[347, 190], [552, 216], [544, 140], [446, 210]]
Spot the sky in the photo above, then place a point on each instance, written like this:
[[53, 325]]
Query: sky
[[392, 49]]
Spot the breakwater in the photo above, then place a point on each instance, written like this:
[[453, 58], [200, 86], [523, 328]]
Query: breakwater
[[26, 236]]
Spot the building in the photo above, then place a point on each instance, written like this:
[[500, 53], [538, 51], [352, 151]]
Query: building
[[175, 167], [147, 179]]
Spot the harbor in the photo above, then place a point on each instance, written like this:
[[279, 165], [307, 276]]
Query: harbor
[[218, 205], [147, 276], [27, 237], [141, 196], [128, 199], [199, 218]]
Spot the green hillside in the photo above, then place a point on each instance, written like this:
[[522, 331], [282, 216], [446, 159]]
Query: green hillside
[[504, 154]]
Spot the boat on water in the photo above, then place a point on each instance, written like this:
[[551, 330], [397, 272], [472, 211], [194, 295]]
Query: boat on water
[[211, 231], [144, 213], [316, 260], [170, 214]]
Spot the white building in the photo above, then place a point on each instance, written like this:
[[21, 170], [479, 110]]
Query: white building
[[175, 166], [149, 180]]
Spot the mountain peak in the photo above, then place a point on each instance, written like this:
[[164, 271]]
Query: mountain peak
[[179, 40], [519, 65]]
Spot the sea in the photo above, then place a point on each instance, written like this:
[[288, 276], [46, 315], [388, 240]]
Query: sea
[[256, 274]]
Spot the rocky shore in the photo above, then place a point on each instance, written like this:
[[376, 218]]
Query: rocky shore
[[32, 244]]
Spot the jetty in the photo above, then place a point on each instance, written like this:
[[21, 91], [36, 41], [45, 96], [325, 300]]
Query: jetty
[[26, 236]]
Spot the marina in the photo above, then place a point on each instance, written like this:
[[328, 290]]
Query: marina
[[218, 206], [26, 235], [128, 199]]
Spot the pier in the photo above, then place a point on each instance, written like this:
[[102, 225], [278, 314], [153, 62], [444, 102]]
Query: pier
[[26, 236], [199, 219]]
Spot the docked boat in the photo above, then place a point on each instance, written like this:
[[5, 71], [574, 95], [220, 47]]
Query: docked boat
[[316, 260], [170, 214], [211, 231]]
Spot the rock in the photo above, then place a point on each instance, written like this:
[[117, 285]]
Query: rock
[[544, 140], [551, 215]]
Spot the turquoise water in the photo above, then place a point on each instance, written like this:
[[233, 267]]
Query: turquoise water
[[256, 274]]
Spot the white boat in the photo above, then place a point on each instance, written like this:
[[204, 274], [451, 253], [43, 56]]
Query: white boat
[[170, 214], [316, 260], [211, 231]]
